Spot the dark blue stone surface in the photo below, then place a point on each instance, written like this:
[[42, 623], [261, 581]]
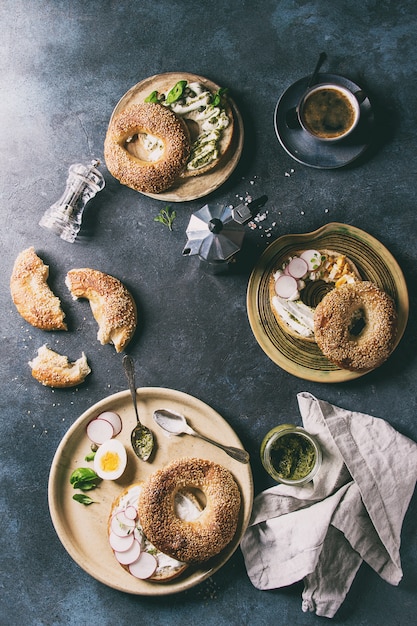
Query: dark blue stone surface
[[64, 66]]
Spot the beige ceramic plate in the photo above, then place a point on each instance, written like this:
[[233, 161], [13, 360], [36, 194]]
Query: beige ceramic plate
[[303, 358], [195, 186], [83, 529]]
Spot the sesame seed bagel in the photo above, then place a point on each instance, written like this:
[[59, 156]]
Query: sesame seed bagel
[[112, 305], [187, 507], [31, 294], [56, 370], [143, 170], [334, 326], [198, 540]]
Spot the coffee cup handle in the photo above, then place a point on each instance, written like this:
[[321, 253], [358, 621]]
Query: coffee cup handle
[[360, 96], [291, 118]]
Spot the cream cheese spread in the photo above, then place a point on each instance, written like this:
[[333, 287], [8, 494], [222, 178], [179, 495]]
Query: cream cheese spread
[[319, 266], [184, 508], [195, 105]]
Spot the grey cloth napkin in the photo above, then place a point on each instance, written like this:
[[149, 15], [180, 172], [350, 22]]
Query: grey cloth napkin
[[351, 512]]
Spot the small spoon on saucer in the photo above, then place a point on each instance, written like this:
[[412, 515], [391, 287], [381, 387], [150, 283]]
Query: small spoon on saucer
[[141, 437], [291, 117], [176, 424], [313, 77]]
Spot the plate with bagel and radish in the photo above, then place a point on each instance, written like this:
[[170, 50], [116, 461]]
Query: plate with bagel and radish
[[328, 306], [153, 527]]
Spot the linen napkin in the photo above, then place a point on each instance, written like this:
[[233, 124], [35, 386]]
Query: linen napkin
[[351, 512]]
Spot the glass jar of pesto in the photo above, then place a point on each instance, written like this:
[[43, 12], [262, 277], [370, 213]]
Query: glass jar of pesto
[[290, 454]]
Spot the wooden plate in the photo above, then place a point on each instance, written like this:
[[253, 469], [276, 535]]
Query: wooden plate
[[196, 186], [83, 529], [303, 358]]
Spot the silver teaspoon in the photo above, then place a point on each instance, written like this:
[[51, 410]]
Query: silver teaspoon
[[176, 424], [141, 437]]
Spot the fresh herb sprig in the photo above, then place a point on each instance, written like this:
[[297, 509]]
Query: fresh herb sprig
[[166, 216]]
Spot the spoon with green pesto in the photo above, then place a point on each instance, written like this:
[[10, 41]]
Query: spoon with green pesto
[[141, 437]]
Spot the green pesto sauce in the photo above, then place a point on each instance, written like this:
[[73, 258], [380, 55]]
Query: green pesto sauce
[[143, 443], [292, 457]]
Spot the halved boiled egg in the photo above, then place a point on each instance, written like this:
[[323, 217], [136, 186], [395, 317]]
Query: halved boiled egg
[[110, 460]]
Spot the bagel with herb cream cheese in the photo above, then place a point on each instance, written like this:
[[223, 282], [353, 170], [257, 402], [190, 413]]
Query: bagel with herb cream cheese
[[209, 119], [147, 147], [355, 326], [142, 559], [206, 536], [136, 151], [300, 283]]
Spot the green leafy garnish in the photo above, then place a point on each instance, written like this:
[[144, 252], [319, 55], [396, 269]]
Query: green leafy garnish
[[84, 478], [217, 97], [176, 92], [166, 216], [82, 498], [153, 97], [90, 456]]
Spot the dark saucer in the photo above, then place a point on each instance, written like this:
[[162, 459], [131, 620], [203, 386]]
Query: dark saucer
[[313, 152]]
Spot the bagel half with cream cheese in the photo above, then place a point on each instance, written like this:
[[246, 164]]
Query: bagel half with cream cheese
[[209, 119], [145, 146], [298, 285], [165, 568]]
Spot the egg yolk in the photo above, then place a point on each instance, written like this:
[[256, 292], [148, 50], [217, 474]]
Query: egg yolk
[[110, 461]]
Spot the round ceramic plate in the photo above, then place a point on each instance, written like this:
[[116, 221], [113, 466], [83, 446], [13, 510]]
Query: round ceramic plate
[[83, 529], [303, 358], [313, 152], [195, 186]]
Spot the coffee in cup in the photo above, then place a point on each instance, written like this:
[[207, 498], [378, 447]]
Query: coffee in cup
[[329, 112]]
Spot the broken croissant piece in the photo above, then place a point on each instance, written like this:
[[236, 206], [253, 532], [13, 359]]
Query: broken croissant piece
[[112, 305], [34, 299], [55, 370]]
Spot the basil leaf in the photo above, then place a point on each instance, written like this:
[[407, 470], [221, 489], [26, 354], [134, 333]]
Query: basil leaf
[[84, 478], [218, 96], [176, 92], [80, 497]]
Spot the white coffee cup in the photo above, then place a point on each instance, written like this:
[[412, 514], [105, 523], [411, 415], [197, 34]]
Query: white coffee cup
[[328, 112]]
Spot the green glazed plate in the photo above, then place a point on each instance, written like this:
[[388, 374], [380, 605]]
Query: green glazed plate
[[303, 358]]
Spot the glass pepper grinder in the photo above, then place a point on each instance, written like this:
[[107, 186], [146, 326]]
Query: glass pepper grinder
[[64, 216]]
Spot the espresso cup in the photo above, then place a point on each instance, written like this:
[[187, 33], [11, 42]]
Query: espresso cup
[[328, 112]]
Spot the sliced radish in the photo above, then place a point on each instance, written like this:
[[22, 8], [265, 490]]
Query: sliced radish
[[131, 512], [126, 557], [122, 530], [312, 258], [99, 431], [144, 566], [124, 520], [121, 544], [285, 286], [297, 267], [114, 419]]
